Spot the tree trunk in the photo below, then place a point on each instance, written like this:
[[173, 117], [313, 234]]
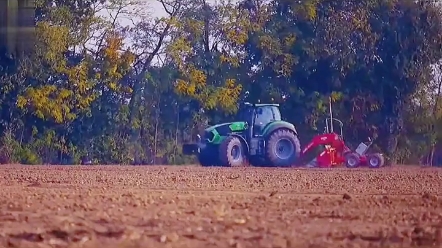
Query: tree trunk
[[432, 155], [157, 120], [155, 141], [435, 109], [394, 124], [177, 130]]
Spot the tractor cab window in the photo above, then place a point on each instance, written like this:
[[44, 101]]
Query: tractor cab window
[[261, 116], [276, 113], [264, 115], [267, 114]]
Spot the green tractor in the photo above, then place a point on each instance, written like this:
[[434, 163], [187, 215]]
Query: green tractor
[[259, 137]]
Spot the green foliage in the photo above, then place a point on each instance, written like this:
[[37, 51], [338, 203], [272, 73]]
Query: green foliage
[[124, 95]]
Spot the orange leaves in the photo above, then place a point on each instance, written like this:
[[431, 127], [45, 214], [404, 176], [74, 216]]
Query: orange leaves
[[116, 62], [113, 44], [117, 59]]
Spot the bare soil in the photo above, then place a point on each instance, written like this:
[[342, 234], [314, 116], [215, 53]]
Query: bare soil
[[171, 206]]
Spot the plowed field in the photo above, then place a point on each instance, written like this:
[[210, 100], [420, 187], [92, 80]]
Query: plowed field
[[169, 206]]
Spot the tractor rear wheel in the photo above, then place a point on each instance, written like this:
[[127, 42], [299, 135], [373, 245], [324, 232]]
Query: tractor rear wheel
[[375, 160], [208, 156], [283, 148], [352, 160], [232, 152]]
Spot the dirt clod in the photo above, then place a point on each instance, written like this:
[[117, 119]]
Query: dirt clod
[[346, 197], [273, 193]]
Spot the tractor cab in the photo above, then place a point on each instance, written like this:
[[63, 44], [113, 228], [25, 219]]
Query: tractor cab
[[258, 116]]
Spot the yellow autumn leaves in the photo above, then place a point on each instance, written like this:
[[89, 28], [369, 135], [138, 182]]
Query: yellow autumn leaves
[[215, 91], [70, 87], [197, 87]]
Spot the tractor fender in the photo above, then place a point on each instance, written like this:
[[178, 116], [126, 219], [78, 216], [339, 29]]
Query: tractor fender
[[243, 141], [272, 127]]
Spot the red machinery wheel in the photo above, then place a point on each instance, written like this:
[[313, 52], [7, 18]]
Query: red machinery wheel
[[352, 160], [375, 160]]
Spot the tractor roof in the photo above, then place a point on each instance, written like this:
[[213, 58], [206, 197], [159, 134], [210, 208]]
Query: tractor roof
[[261, 104]]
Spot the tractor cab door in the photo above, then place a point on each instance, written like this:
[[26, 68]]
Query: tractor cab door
[[263, 116]]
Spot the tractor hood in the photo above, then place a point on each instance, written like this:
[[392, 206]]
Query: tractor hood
[[215, 134], [229, 127]]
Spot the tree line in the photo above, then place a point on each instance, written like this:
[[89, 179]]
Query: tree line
[[111, 80]]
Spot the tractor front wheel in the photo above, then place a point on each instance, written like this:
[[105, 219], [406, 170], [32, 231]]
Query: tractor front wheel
[[232, 152], [283, 148], [375, 160]]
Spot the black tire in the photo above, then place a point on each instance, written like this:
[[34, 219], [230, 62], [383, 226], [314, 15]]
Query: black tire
[[273, 150], [232, 152], [209, 156], [375, 160], [352, 160]]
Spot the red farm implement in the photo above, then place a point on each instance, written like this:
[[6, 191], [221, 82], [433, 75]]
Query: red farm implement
[[335, 152]]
